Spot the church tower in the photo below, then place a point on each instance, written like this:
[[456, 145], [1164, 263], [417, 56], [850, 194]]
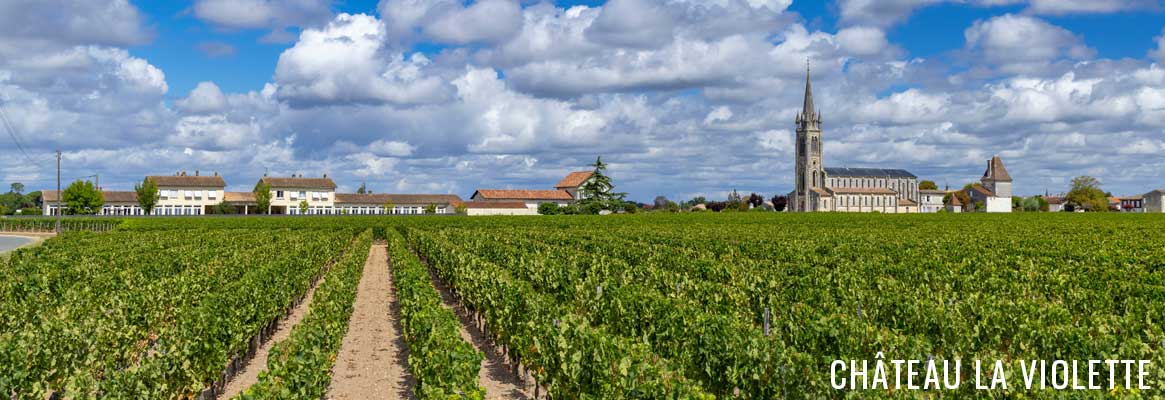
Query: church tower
[[810, 172]]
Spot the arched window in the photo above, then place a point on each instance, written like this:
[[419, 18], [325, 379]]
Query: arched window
[[816, 145]]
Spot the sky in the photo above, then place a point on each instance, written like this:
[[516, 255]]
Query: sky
[[681, 98]]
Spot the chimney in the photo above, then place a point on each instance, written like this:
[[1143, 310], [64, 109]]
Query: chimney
[[195, 172], [215, 173]]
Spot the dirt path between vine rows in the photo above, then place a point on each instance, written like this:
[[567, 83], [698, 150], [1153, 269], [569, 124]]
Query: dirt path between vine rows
[[373, 358], [249, 374], [495, 376]]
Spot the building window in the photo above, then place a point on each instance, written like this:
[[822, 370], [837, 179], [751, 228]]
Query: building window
[[279, 194]]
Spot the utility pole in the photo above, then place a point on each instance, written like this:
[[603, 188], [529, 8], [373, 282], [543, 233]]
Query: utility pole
[[59, 194]]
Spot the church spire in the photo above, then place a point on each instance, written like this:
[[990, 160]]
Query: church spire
[[807, 108]]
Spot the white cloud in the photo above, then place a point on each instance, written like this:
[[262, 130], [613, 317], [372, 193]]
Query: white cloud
[[1159, 52], [633, 23], [345, 62], [42, 24], [1018, 43], [263, 14], [448, 21], [204, 98], [863, 40]]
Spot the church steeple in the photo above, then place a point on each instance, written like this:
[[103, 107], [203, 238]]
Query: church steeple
[[808, 111]]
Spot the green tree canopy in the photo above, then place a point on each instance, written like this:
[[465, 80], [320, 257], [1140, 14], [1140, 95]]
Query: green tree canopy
[[927, 185], [1086, 194], [82, 198], [17, 187], [303, 207], [148, 195], [263, 197], [598, 190]]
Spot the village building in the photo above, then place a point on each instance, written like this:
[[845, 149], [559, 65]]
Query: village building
[[116, 203], [573, 183], [531, 198], [182, 194], [1132, 203], [287, 194], [486, 208], [818, 188], [931, 201], [1055, 203], [954, 205], [395, 204], [1155, 201], [994, 193]]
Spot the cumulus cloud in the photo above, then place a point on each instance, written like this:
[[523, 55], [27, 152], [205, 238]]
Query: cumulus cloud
[[204, 98], [263, 14], [862, 40], [346, 62], [1018, 43], [71, 22], [1159, 52], [448, 21], [632, 23]]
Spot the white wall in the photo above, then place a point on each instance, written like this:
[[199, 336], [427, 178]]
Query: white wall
[[999, 204], [501, 211]]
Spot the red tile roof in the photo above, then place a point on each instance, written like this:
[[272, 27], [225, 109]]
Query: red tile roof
[[495, 204], [1054, 200], [906, 203], [955, 201], [995, 171], [239, 197], [188, 181], [982, 190], [821, 192], [574, 179], [497, 194]]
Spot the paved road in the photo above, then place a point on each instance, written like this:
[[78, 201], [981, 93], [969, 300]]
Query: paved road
[[11, 242]]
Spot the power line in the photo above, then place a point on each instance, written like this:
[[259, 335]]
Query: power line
[[15, 136]]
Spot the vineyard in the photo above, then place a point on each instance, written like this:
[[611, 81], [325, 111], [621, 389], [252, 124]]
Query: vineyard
[[692, 306]]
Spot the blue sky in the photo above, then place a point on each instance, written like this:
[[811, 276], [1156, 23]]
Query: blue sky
[[683, 97]]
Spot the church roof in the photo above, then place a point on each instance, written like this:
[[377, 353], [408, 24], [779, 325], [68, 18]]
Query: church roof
[[867, 190], [868, 172], [821, 192], [995, 171]]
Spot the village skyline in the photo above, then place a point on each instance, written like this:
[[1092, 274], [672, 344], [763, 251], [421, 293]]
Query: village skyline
[[681, 98]]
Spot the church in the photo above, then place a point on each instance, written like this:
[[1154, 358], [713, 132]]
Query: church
[[843, 189]]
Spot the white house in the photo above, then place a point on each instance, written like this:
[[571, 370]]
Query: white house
[[116, 203], [1155, 201], [288, 192], [931, 201], [482, 208], [995, 192], [573, 183], [182, 194], [532, 198], [401, 204]]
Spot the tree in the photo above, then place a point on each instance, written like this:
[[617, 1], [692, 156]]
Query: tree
[[363, 189], [756, 200], [927, 185], [1016, 202], [660, 202], [780, 202], [1086, 194], [599, 190], [694, 201], [303, 207], [549, 209], [17, 188], [263, 197], [430, 208], [148, 195], [388, 207], [460, 208], [3, 210], [82, 198], [222, 208]]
